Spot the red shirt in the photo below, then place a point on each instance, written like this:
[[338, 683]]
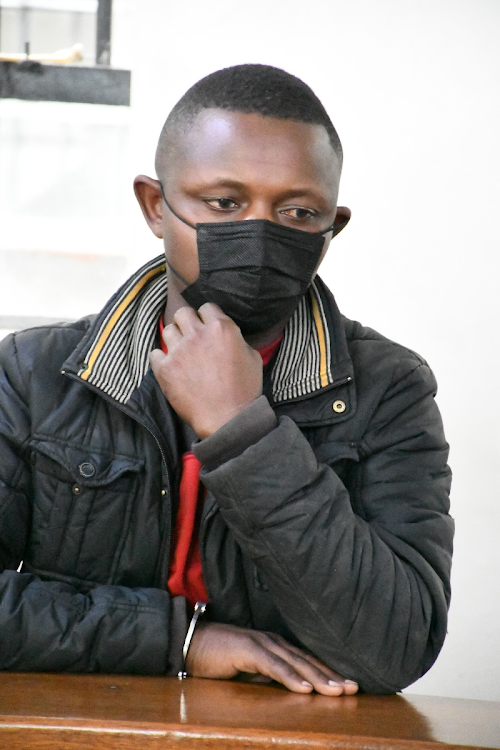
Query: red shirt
[[185, 575]]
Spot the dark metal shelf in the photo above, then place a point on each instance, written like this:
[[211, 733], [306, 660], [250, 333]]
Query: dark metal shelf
[[89, 84], [45, 82]]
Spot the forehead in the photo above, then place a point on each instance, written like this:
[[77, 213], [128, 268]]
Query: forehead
[[252, 148]]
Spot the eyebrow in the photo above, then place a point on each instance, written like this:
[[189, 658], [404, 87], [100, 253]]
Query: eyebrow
[[292, 193], [225, 182]]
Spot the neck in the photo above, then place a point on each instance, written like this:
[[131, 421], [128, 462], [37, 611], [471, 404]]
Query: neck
[[174, 302], [258, 340]]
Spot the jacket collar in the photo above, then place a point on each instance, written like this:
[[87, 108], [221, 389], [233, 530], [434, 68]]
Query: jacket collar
[[313, 355], [114, 355]]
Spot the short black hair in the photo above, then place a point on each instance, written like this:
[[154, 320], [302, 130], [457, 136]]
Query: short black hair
[[251, 89]]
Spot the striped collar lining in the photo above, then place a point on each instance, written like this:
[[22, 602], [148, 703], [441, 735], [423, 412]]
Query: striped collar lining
[[118, 356], [304, 358]]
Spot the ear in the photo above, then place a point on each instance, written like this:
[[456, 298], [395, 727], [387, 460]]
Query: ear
[[148, 193], [341, 219]]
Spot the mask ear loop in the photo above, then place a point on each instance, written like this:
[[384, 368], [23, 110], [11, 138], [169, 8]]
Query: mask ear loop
[[177, 216], [186, 284], [335, 228]]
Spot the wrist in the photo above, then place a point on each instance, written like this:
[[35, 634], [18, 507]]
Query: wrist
[[235, 436], [215, 422]]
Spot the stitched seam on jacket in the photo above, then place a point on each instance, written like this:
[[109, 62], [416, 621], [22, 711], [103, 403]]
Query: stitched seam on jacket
[[406, 375], [107, 603], [39, 437], [11, 497]]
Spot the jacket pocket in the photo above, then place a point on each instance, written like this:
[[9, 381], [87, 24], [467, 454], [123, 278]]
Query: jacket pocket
[[342, 457], [335, 451], [81, 509], [86, 466]]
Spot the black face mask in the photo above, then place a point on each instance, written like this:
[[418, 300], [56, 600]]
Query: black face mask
[[255, 270]]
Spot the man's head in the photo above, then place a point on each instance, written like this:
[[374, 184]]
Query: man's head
[[248, 142], [249, 89]]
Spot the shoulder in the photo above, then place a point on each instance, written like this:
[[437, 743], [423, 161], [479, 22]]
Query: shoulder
[[381, 358], [42, 349], [396, 391], [371, 353]]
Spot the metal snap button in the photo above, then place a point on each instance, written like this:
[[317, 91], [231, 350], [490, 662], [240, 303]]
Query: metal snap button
[[76, 489], [338, 407], [87, 470]]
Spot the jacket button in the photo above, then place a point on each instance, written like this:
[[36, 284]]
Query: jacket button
[[87, 470], [76, 489], [164, 492], [338, 407]]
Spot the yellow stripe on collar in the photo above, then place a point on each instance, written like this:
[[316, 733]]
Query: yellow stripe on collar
[[101, 341], [320, 330]]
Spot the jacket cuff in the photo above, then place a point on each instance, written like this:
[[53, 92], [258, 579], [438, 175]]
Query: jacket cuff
[[230, 440], [177, 634]]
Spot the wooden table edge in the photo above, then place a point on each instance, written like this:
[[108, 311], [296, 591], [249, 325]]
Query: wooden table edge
[[186, 736]]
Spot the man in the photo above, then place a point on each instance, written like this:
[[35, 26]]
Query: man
[[322, 542]]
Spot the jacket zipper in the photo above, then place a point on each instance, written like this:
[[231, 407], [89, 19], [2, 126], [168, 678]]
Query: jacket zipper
[[340, 382]]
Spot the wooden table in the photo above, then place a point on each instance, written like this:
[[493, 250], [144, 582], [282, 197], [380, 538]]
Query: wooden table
[[48, 711]]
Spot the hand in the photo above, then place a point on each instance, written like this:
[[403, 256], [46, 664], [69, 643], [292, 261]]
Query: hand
[[223, 651], [210, 373]]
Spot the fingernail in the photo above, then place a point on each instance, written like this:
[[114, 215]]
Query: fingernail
[[351, 682], [306, 684], [332, 683]]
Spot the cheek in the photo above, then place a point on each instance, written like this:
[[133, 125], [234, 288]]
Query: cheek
[[181, 250]]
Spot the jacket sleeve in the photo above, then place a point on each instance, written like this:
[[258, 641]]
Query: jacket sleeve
[[48, 625], [361, 576]]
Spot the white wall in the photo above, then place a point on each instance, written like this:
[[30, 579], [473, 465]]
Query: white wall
[[413, 88]]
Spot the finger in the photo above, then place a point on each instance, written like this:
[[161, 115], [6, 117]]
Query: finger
[[338, 684], [278, 639], [185, 318], [262, 679], [323, 683], [323, 679], [268, 663], [171, 335], [210, 311], [350, 687]]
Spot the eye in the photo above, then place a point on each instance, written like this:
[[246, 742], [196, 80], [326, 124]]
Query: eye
[[221, 204], [298, 213]]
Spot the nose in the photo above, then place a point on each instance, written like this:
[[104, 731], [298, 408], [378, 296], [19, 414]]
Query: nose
[[260, 209]]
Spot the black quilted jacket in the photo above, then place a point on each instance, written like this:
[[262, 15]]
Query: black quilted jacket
[[333, 529]]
